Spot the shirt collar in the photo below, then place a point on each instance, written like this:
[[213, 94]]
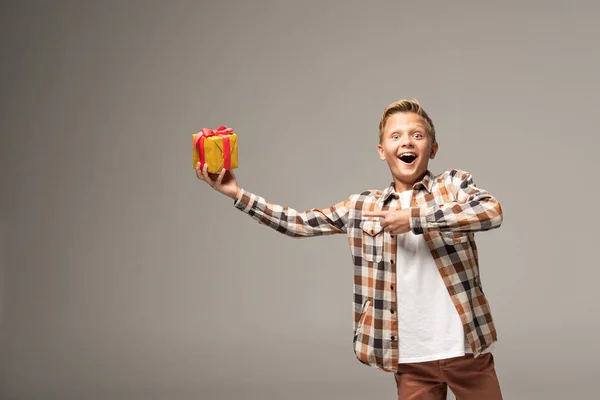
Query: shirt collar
[[425, 183]]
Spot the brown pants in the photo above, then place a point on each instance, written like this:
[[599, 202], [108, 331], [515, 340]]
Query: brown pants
[[469, 378]]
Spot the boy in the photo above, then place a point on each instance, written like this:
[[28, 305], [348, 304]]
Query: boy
[[419, 308]]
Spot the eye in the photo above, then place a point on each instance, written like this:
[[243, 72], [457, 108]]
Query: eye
[[395, 135], [418, 134]]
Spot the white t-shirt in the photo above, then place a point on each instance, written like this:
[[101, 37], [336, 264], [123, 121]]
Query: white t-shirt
[[429, 327]]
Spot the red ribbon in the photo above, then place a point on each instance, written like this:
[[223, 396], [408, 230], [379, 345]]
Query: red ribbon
[[224, 133]]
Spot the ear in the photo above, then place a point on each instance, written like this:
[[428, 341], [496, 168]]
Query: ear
[[434, 149], [381, 153]]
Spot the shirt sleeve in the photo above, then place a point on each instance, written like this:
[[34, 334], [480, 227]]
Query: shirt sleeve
[[475, 209], [286, 220]]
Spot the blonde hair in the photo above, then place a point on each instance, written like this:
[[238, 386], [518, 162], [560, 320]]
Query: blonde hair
[[406, 106]]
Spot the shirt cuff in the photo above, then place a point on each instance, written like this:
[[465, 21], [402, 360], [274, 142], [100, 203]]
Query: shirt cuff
[[418, 222], [243, 200]]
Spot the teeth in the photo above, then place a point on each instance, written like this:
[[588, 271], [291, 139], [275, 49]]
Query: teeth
[[408, 154]]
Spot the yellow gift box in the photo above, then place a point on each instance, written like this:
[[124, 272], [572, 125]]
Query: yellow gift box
[[218, 149]]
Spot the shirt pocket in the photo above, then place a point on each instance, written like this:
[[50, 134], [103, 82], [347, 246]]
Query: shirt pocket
[[372, 240], [454, 238]]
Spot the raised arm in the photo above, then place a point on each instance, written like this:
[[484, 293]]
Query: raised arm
[[475, 209], [314, 222]]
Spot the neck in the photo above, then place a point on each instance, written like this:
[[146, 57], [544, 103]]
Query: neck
[[406, 184]]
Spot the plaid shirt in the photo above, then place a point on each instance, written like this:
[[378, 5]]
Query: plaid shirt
[[446, 209]]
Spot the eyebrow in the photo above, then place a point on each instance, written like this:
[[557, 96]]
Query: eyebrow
[[411, 128]]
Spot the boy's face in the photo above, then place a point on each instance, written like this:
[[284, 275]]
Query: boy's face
[[407, 148]]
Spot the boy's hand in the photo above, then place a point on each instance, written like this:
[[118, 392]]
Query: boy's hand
[[224, 182], [395, 222]]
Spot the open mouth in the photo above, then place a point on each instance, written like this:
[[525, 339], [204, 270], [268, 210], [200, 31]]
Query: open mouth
[[408, 158]]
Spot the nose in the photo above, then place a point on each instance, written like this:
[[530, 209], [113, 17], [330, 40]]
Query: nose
[[406, 141]]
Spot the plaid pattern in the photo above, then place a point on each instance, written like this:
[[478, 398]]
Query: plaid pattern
[[446, 209]]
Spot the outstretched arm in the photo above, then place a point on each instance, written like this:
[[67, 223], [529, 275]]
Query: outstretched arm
[[286, 220], [314, 222]]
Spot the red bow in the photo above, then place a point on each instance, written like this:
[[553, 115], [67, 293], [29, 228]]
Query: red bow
[[206, 133], [221, 131]]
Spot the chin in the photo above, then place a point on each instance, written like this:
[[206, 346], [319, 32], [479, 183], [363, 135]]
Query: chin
[[404, 174]]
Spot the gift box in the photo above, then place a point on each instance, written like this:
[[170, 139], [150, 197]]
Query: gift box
[[217, 148]]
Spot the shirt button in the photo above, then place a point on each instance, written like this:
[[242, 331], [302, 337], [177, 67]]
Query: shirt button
[[392, 311], [393, 338], [392, 287], [392, 261], [391, 235]]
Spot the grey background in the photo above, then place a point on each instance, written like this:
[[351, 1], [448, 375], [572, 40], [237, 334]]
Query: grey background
[[124, 277]]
